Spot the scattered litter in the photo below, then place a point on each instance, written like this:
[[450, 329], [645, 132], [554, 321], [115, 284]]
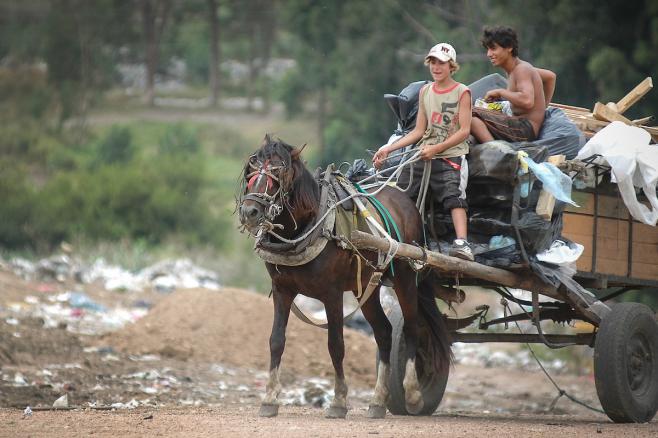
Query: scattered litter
[[164, 276], [19, 380], [80, 300], [132, 404], [561, 253], [62, 402], [144, 358], [27, 412]]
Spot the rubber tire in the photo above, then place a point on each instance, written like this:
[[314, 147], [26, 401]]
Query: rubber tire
[[629, 330], [432, 385]]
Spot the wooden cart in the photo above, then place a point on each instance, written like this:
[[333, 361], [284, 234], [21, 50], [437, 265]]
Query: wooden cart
[[621, 255]]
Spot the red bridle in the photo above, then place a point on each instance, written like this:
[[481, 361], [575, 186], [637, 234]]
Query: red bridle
[[262, 171]]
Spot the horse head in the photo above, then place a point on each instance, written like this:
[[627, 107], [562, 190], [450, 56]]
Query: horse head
[[275, 181]]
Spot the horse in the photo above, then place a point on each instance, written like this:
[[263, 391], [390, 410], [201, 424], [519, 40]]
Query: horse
[[277, 189]]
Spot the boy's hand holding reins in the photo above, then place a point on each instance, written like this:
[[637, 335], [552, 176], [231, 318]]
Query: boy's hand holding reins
[[380, 156]]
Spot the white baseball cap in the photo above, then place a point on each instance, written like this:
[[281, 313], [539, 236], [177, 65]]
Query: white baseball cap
[[443, 52]]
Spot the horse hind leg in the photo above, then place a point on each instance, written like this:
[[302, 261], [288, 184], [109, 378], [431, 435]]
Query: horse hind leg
[[373, 312], [282, 302], [407, 293], [334, 308]]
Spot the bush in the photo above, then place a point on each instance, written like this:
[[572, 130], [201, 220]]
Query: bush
[[178, 139], [116, 147]]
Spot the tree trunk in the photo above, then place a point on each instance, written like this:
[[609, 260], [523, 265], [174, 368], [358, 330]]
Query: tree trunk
[[213, 73], [154, 18], [253, 71]]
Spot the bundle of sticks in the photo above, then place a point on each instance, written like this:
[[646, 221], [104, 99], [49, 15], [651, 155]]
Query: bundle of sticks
[[601, 115]]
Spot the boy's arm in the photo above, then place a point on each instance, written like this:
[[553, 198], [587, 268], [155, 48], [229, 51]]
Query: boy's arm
[[524, 96], [548, 79], [465, 116], [412, 136]]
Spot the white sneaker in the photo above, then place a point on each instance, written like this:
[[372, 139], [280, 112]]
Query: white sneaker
[[461, 249]]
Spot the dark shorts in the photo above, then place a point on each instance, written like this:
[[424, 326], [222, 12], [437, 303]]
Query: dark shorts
[[504, 127], [448, 181]]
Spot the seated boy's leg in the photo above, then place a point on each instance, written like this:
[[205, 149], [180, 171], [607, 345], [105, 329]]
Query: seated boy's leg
[[503, 127], [479, 131], [460, 221]]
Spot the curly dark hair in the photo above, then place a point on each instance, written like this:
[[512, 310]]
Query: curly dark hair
[[503, 36]]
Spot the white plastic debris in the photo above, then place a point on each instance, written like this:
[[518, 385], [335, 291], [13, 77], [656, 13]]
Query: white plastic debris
[[62, 402], [19, 380], [560, 253], [27, 412], [634, 163]]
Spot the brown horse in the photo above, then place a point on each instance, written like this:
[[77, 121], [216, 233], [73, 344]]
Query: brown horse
[[279, 191]]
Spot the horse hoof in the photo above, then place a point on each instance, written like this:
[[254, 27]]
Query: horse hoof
[[376, 411], [336, 412], [268, 411], [415, 405]]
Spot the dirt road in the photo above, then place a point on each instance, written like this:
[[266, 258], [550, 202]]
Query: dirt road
[[303, 422], [195, 365]]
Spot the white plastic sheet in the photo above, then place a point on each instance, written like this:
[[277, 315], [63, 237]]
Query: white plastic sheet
[[634, 163]]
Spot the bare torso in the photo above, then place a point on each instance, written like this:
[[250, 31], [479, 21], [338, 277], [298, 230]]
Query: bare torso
[[518, 74]]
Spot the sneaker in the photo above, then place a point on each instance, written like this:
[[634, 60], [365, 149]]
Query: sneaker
[[461, 249]]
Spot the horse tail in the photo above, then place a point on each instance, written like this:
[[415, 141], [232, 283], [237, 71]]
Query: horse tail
[[439, 342]]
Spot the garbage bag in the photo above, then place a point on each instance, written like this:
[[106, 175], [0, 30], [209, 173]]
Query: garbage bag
[[559, 134], [499, 159], [480, 87], [405, 105]]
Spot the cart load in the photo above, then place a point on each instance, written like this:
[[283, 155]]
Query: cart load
[[566, 216]]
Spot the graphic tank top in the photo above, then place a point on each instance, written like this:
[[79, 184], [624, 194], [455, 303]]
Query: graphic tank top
[[442, 112]]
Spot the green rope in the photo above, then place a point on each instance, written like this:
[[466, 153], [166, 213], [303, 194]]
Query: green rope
[[387, 219]]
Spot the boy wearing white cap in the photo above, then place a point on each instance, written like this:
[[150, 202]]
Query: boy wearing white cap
[[442, 127]]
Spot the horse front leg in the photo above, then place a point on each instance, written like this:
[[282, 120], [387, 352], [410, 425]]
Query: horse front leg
[[282, 302], [381, 327], [334, 308]]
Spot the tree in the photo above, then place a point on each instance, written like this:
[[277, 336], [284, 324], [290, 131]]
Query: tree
[[213, 71], [155, 14]]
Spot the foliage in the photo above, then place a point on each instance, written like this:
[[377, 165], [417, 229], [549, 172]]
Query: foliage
[[116, 147], [119, 194]]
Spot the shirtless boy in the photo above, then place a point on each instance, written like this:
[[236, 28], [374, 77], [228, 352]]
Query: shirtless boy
[[529, 91]]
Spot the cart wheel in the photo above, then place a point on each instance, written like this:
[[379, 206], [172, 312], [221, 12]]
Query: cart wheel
[[432, 384], [626, 363]]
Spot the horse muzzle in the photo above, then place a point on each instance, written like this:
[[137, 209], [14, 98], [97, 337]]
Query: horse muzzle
[[251, 215]]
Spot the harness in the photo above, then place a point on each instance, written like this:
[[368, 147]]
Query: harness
[[313, 239]]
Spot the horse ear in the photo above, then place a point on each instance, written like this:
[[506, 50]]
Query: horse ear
[[295, 153], [266, 140]]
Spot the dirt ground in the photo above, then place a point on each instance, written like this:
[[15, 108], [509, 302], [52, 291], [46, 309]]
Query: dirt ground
[[196, 363]]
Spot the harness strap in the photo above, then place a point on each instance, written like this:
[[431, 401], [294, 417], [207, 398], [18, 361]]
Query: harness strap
[[372, 284]]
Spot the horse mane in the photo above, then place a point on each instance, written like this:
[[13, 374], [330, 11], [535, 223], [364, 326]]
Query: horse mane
[[296, 180]]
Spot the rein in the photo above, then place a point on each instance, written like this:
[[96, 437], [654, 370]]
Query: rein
[[312, 240]]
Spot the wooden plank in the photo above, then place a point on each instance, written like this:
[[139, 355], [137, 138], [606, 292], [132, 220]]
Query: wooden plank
[[644, 233], [603, 112], [634, 95], [643, 120], [546, 201], [569, 107], [454, 265]]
